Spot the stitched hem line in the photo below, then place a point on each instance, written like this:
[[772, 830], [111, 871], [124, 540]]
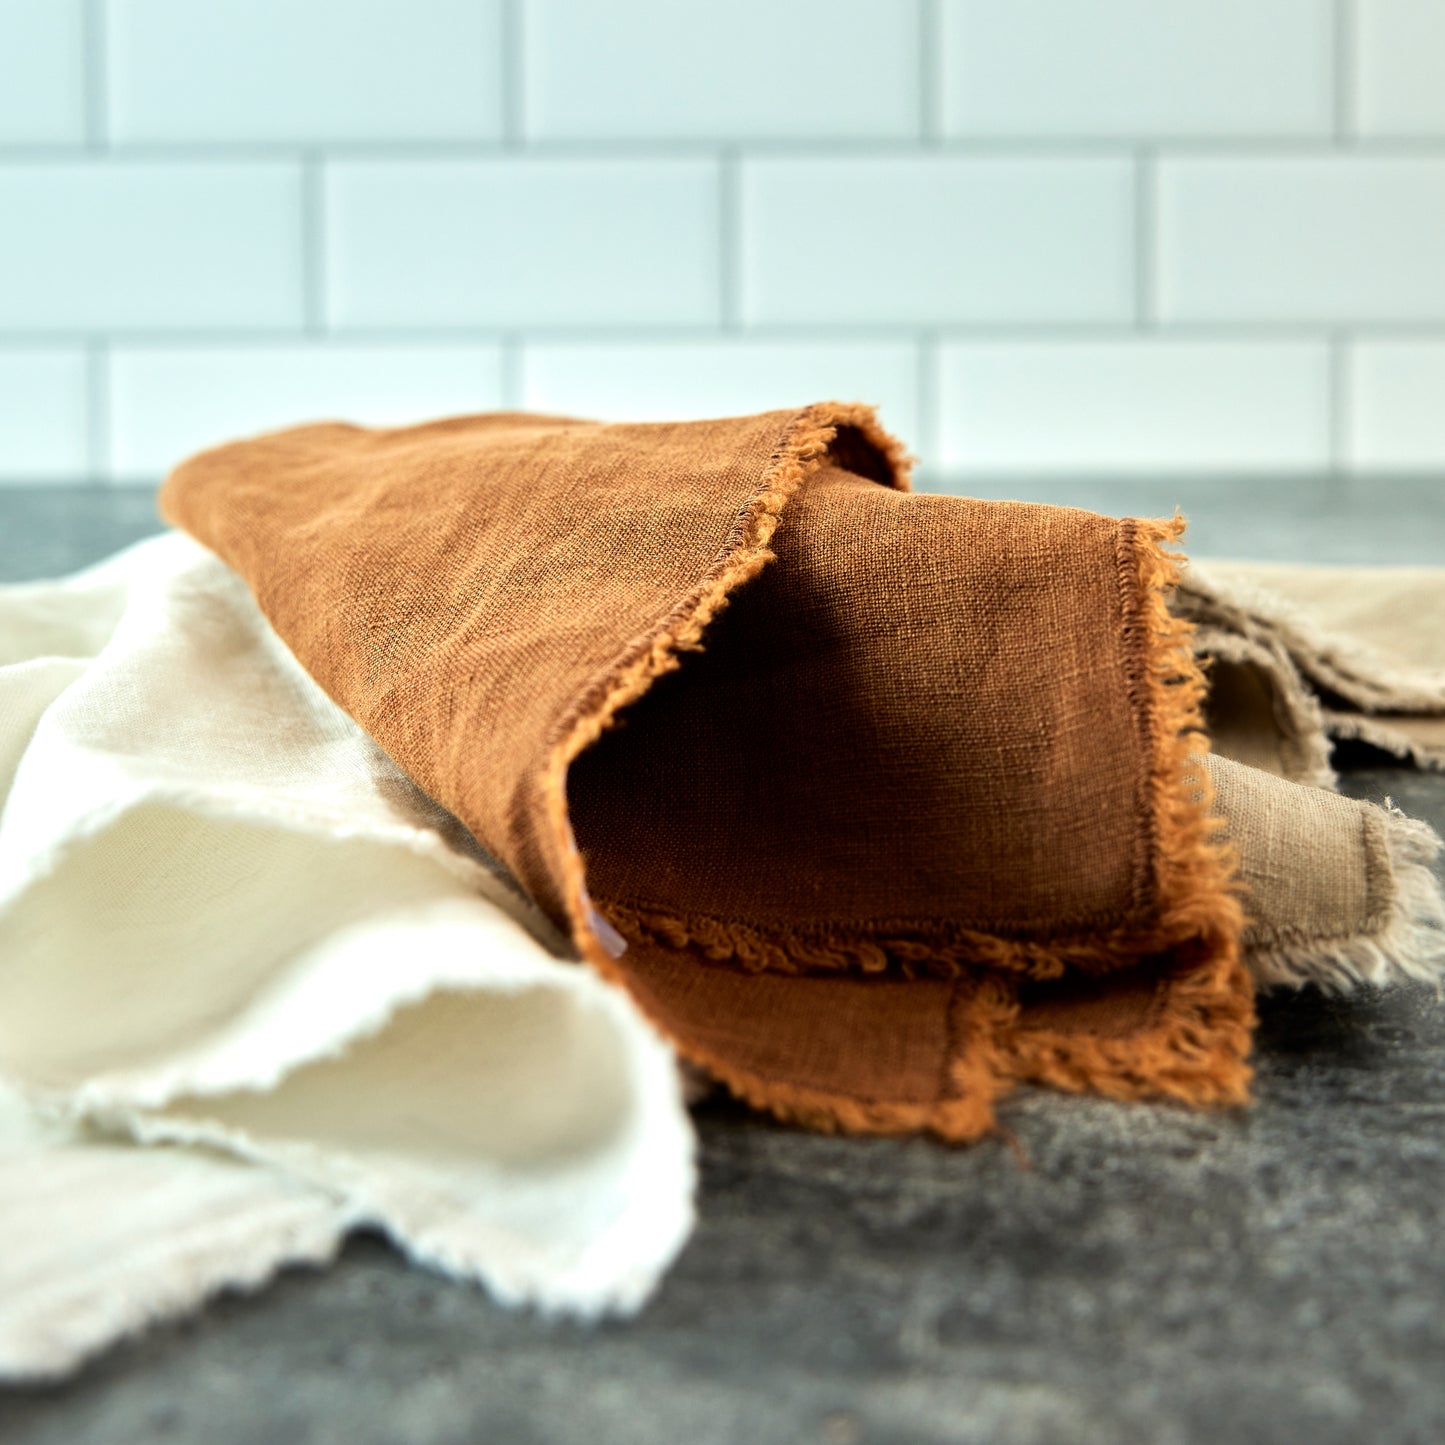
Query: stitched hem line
[[1403, 940], [953, 951], [1198, 1049]]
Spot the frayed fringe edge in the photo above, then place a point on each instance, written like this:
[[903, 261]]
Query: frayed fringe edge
[[1196, 1053], [961, 954], [1337, 662], [1377, 731], [1298, 714], [1409, 948], [1198, 1049], [803, 449], [981, 1016]]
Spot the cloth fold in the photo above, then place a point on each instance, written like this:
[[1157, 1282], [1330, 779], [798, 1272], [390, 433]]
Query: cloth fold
[[228, 921]]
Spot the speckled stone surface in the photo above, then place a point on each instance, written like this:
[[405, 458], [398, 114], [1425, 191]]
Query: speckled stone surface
[[1140, 1274]]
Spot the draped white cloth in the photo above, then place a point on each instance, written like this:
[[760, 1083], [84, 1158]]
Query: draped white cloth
[[256, 989]]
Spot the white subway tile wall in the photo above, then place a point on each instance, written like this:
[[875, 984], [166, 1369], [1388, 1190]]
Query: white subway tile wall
[[42, 71], [732, 376], [45, 412], [168, 401], [936, 240], [1400, 83], [747, 70], [1135, 407], [1049, 237], [1129, 69], [1319, 239], [532, 241], [309, 73], [1397, 392], [112, 245]]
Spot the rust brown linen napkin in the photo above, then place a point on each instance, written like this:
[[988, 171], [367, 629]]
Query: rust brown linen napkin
[[916, 817]]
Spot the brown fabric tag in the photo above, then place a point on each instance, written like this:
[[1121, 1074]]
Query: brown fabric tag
[[913, 819]]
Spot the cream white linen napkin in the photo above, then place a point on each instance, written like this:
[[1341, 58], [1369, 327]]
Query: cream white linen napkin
[[256, 989]]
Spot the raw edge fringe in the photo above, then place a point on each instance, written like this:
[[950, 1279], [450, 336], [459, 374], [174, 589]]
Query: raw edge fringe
[[1409, 947], [1198, 1048], [804, 449], [977, 1074], [956, 1120], [758, 951], [961, 955], [1338, 663], [1172, 697], [1376, 730], [1299, 716]]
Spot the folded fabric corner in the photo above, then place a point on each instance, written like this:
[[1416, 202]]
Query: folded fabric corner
[[877, 803]]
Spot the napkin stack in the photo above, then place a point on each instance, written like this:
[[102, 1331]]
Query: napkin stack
[[871, 805]]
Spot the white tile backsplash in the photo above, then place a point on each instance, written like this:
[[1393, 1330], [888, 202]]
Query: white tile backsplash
[[522, 242], [1063, 236], [1397, 406], [1137, 69], [1327, 239], [751, 69], [1399, 83], [929, 241], [1132, 407], [655, 381], [42, 71], [44, 421], [100, 246], [166, 402], [326, 70]]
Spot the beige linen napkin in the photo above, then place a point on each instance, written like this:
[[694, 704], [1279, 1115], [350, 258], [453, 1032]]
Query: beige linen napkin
[[1296, 656], [1302, 654]]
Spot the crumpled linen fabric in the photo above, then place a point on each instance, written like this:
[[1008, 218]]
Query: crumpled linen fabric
[[878, 804], [257, 990], [831, 777], [258, 987]]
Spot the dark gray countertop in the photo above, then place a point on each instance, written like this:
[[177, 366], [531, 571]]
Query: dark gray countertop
[[1153, 1275]]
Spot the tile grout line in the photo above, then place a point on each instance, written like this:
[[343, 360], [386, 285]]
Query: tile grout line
[[97, 389], [729, 239], [313, 243], [94, 61], [803, 149], [980, 332]]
